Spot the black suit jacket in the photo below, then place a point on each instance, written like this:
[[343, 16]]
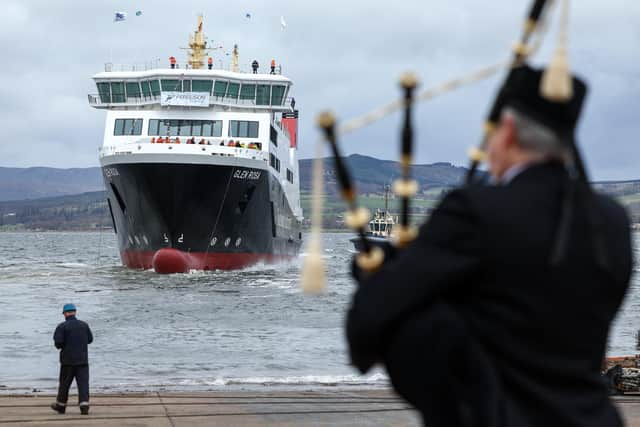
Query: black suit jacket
[[486, 251]]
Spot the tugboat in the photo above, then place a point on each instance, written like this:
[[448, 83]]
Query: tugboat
[[200, 164], [380, 227]]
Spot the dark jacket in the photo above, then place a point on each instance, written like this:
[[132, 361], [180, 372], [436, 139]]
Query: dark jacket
[[72, 337], [486, 250]]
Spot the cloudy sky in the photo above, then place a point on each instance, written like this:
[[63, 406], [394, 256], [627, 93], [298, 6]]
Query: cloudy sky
[[341, 55]]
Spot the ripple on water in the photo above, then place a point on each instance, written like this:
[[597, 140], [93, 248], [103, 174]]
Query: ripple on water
[[186, 331]]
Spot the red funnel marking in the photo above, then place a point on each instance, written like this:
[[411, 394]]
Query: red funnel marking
[[169, 261]]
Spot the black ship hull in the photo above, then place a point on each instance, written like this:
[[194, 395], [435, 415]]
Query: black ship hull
[[176, 217]]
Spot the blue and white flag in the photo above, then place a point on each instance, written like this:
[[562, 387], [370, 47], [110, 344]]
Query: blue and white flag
[[120, 16]]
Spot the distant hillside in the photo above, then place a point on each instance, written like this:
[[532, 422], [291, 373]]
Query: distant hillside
[[48, 199], [34, 183], [371, 174], [85, 211]]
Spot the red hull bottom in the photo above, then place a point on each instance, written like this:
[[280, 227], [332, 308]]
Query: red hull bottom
[[169, 260]]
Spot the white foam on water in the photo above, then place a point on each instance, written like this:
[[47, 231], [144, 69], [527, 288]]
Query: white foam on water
[[308, 380], [351, 380], [73, 265]]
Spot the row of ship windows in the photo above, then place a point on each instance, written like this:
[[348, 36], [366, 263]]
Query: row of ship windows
[[261, 94], [165, 127]]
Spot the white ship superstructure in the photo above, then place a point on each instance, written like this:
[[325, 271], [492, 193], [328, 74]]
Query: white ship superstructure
[[200, 164]]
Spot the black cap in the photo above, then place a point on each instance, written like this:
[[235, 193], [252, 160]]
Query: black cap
[[521, 91]]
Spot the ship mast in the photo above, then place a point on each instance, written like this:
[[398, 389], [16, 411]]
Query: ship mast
[[234, 61], [197, 47], [386, 199]]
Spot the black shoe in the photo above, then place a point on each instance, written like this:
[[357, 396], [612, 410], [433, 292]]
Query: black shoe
[[84, 409], [58, 408]]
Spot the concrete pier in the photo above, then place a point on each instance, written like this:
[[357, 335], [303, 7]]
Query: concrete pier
[[245, 408], [299, 408]]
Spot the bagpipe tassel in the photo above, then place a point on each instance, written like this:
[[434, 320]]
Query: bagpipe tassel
[[557, 84], [313, 278]]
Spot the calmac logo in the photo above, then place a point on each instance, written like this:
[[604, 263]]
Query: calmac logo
[[185, 98]]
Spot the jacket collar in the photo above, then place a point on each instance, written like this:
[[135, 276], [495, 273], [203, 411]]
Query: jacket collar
[[539, 172], [70, 318]]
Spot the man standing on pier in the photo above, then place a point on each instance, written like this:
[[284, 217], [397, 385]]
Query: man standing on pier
[[72, 338]]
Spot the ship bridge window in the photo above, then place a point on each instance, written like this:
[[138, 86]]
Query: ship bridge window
[[289, 176], [201, 85], [146, 88], [159, 127], [248, 91], [220, 88], [155, 87], [232, 90], [277, 93], [171, 85], [127, 127], [133, 90], [104, 92], [243, 129], [263, 94], [186, 85], [117, 92]]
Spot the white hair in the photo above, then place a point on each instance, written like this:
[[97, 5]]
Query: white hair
[[535, 137]]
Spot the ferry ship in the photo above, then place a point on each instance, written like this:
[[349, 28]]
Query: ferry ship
[[200, 163]]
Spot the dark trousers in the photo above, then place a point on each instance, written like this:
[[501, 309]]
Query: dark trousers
[[67, 374], [434, 363]]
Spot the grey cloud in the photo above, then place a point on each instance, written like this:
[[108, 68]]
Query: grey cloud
[[345, 56]]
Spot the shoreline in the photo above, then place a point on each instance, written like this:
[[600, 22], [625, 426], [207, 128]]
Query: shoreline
[[15, 391]]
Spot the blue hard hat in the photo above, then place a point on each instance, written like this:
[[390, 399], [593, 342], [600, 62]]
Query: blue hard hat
[[68, 307]]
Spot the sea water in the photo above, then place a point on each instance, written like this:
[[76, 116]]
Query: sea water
[[197, 331]]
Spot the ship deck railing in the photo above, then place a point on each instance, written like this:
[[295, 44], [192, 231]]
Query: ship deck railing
[[110, 67], [96, 101], [145, 145]]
